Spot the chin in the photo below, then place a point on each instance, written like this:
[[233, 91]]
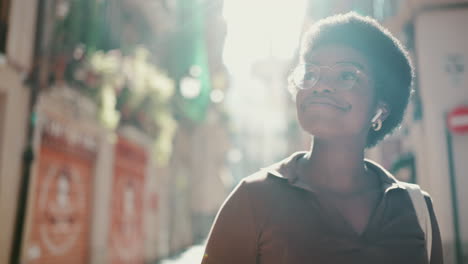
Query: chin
[[321, 131], [323, 126]]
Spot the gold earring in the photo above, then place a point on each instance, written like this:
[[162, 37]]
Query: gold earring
[[377, 125]]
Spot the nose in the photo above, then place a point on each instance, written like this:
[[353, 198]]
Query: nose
[[324, 82], [322, 86]]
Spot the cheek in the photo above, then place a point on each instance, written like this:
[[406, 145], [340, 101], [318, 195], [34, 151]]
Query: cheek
[[358, 118], [361, 113]]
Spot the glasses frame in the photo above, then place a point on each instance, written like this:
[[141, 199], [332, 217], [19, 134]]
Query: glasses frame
[[360, 73]]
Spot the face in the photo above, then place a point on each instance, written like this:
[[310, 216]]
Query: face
[[336, 96]]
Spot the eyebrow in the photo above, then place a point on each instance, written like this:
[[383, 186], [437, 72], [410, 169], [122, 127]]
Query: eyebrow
[[357, 64], [354, 63]]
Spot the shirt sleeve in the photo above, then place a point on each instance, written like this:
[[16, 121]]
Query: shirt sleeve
[[436, 252], [233, 236]]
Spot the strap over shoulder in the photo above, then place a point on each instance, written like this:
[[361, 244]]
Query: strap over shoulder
[[422, 212]]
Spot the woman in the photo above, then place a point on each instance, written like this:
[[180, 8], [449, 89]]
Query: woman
[[329, 204]]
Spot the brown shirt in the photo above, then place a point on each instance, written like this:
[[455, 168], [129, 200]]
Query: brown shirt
[[271, 218]]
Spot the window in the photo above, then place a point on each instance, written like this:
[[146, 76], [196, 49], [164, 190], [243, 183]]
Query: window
[[4, 16]]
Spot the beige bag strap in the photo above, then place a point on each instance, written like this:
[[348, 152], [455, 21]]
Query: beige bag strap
[[422, 212]]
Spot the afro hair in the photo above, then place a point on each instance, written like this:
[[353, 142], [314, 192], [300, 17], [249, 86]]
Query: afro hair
[[391, 65]]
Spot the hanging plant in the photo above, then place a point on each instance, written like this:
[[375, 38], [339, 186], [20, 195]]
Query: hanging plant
[[129, 90]]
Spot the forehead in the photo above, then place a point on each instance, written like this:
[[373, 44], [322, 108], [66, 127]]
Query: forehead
[[336, 53]]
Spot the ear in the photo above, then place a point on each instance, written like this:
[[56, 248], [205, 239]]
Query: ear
[[382, 111]]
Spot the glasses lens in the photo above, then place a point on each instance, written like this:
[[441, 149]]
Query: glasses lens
[[345, 77], [306, 76]]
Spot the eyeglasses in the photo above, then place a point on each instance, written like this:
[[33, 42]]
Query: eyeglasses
[[341, 76]]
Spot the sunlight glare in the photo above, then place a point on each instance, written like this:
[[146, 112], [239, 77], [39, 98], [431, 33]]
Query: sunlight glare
[[259, 29]]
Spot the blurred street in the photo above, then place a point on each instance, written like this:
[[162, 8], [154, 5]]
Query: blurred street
[[125, 124], [193, 255]]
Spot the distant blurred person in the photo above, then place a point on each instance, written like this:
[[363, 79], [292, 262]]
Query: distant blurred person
[[330, 204]]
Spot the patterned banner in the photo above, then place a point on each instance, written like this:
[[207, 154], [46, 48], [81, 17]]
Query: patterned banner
[[126, 234], [60, 214]]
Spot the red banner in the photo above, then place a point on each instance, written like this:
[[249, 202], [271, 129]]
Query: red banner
[[126, 233], [60, 213]]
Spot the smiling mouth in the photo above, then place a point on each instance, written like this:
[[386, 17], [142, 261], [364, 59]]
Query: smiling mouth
[[308, 103]]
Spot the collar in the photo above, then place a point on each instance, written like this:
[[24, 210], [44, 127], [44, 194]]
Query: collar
[[283, 170]]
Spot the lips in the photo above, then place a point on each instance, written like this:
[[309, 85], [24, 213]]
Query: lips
[[324, 100]]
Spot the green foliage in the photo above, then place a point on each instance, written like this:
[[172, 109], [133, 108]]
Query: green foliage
[[189, 51]]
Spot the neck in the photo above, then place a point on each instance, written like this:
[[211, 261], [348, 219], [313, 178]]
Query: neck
[[336, 166]]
